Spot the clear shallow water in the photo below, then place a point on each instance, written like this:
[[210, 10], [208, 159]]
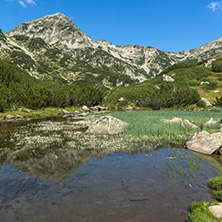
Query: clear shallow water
[[93, 185]]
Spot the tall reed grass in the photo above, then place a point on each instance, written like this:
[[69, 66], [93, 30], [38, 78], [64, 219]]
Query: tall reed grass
[[148, 123]]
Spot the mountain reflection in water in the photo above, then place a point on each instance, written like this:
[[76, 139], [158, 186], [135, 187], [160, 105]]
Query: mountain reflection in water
[[60, 182]]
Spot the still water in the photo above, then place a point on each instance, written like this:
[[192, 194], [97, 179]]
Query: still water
[[56, 181]]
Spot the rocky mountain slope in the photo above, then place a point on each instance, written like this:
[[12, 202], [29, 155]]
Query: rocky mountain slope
[[54, 47]]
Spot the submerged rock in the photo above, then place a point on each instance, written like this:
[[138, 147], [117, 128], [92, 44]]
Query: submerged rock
[[206, 144], [106, 125]]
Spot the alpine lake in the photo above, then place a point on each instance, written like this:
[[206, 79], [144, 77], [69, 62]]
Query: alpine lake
[[51, 171]]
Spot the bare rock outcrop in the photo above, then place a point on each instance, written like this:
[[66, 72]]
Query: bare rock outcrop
[[167, 78]]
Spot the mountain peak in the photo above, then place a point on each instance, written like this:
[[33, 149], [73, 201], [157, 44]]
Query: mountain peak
[[53, 28]]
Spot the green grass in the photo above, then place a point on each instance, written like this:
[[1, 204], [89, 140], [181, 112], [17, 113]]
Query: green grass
[[201, 213], [149, 122], [216, 183]]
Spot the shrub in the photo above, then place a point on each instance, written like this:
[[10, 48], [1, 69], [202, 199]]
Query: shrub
[[217, 65], [218, 102], [201, 104], [36, 44]]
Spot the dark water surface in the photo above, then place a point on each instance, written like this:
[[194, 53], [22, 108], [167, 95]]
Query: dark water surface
[[92, 185]]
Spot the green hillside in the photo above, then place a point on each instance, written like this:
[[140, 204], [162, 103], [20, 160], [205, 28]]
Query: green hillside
[[190, 84], [18, 88]]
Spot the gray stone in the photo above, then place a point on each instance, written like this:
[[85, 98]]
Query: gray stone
[[85, 109], [206, 101], [129, 108], [167, 78], [121, 99], [2, 118], [19, 116], [173, 121], [207, 144], [216, 210], [188, 124], [65, 112], [106, 125], [98, 108], [210, 122], [202, 83], [10, 117]]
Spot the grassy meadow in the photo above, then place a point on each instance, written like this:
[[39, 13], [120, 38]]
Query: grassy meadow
[[149, 122]]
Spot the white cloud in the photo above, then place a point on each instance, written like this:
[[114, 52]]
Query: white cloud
[[22, 4], [30, 2], [215, 6]]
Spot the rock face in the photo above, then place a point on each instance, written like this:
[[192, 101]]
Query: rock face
[[206, 144], [106, 125], [55, 41]]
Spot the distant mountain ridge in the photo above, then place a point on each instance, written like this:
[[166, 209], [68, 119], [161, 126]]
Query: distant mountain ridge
[[54, 47]]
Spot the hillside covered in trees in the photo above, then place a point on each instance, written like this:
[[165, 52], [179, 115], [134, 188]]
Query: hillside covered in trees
[[18, 88]]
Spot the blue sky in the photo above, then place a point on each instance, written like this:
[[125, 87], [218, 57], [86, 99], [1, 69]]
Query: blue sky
[[173, 26]]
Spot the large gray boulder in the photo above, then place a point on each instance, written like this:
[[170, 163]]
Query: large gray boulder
[[206, 144], [106, 125], [216, 210]]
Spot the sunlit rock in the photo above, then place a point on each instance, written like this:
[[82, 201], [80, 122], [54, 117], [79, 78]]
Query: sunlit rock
[[206, 101], [10, 117], [106, 125], [206, 145], [174, 120], [188, 124], [210, 122], [216, 210], [167, 78]]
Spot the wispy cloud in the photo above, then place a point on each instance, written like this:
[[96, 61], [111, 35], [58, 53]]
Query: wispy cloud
[[24, 3], [214, 6], [30, 2]]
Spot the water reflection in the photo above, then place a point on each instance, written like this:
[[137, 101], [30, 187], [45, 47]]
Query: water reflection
[[77, 178]]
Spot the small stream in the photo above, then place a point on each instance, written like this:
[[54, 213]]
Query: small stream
[[50, 171]]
